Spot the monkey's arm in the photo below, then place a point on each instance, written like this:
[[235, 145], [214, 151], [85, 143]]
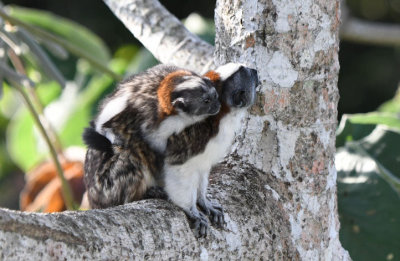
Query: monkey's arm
[[190, 142]]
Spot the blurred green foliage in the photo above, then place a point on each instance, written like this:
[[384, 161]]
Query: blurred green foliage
[[377, 10], [74, 33], [75, 100], [368, 165]]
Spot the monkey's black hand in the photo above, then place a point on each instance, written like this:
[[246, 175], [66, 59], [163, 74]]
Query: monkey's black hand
[[198, 222], [214, 211]]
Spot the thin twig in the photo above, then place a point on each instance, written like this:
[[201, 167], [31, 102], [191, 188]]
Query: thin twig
[[66, 189], [46, 64], [18, 65], [16, 78]]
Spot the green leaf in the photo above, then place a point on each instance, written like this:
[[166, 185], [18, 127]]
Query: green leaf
[[6, 164], [9, 103], [356, 126], [349, 131], [383, 146], [22, 139], [392, 105], [389, 119], [127, 52], [369, 195], [47, 92], [46, 64], [142, 61], [71, 133], [75, 34]]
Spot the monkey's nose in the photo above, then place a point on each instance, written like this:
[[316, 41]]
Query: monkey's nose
[[239, 99]]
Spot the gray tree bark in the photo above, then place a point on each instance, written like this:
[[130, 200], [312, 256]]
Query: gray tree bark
[[163, 34], [278, 186], [290, 133]]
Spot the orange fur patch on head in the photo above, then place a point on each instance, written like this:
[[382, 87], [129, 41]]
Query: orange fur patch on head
[[215, 78], [164, 91]]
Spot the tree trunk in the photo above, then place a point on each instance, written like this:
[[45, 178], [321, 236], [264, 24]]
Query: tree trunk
[[278, 187], [289, 135]]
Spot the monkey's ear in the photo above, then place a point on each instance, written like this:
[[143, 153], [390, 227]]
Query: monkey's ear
[[179, 103]]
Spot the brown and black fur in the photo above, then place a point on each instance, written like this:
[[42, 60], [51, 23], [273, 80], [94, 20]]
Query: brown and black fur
[[115, 173], [193, 139], [180, 148], [120, 169]]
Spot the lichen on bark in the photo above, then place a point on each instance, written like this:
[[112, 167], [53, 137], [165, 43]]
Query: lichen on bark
[[290, 132]]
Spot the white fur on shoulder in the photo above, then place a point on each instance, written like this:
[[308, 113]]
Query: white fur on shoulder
[[172, 124], [112, 108]]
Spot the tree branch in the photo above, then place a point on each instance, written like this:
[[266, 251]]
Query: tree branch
[[125, 231], [357, 30], [163, 34]]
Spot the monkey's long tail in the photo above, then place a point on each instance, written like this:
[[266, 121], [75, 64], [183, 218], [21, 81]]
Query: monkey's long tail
[[95, 140]]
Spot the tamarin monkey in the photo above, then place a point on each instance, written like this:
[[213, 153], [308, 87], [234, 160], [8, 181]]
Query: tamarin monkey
[[127, 139], [191, 153]]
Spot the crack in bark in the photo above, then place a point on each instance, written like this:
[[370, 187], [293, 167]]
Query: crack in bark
[[40, 232]]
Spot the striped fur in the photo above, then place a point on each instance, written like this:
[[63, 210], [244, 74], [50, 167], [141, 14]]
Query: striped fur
[[136, 119]]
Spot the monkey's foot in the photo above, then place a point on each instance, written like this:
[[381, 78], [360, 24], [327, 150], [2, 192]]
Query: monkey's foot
[[213, 211], [199, 222]]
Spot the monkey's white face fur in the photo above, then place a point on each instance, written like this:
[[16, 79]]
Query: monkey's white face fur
[[227, 70]]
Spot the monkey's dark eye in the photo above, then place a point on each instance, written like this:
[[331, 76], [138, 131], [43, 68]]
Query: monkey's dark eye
[[206, 100]]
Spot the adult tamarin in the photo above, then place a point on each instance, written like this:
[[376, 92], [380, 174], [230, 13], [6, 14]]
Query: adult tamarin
[[191, 153], [127, 139]]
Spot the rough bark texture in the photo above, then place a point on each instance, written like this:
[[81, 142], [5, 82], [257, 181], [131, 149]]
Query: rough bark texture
[[290, 132], [163, 34], [278, 187], [156, 230]]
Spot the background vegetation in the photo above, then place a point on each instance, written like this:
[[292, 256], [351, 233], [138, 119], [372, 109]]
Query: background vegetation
[[75, 76]]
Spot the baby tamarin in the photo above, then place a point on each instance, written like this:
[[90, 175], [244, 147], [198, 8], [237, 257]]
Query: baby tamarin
[[191, 153], [127, 139]]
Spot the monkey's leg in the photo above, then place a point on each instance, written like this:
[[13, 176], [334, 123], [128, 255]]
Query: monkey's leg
[[181, 188], [213, 210]]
